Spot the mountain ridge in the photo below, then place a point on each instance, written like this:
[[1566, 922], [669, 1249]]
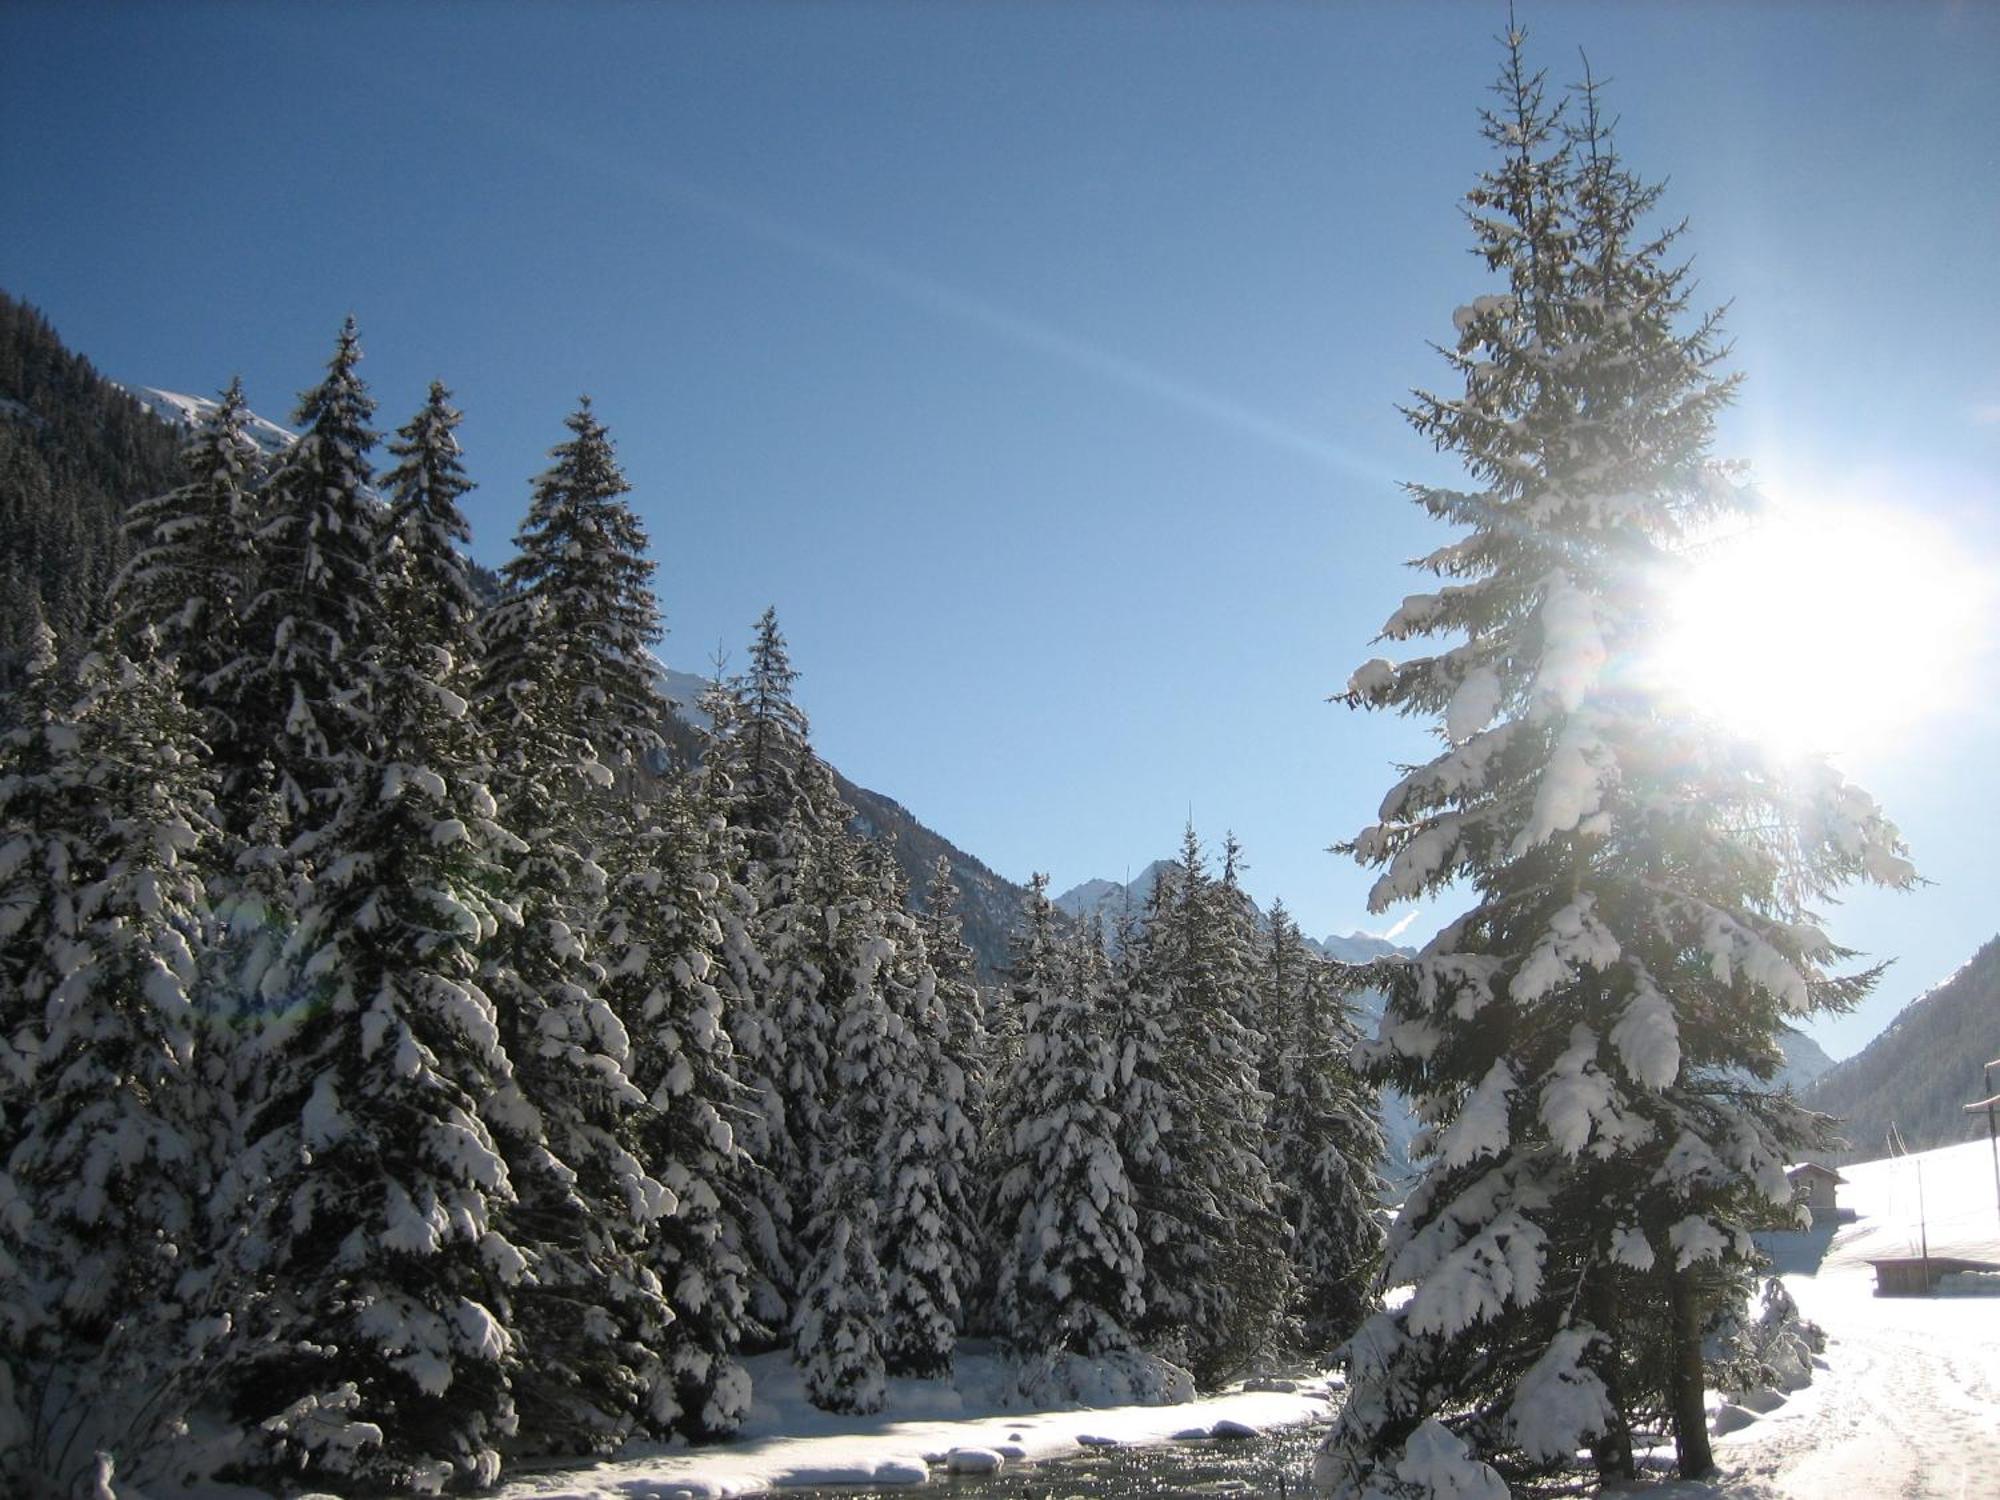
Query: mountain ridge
[[1913, 1081]]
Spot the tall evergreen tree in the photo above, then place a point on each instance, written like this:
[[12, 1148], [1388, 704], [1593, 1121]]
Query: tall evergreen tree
[[1070, 1268], [965, 1064], [666, 946], [565, 693], [429, 581], [314, 614], [101, 1242], [1577, 1040], [754, 1198], [1216, 1302], [1326, 1141], [382, 1349], [788, 824], [579, 619], [927, 1147], [189, 575], [842, 1308], [770, 757]]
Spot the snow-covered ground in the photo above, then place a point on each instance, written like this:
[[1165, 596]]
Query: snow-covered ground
[[929, 1429], [1909, 1404]]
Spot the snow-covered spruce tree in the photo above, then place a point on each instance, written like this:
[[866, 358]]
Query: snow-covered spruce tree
[[754, 1199], [254, 898], [190, 574], [314, 612], [965, 1077], [38, 849], [380, 1353], [1325, 1139], [664, 948], [1143, 1097], [1281, 970], [769, 756], [1577, 1040], [786, 1037], [102, 1269], [1069, 1267], [425, 532], [842, 1304], [579, 609], [1213, 1301], [927, 1149], [786, 815], [565, 698]]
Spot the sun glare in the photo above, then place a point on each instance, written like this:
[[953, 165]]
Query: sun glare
[[1839, 630]]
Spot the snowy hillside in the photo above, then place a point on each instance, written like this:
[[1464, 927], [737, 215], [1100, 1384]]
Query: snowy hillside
[[989, 904], [684, 690], [1918, 1074], [1109, 898], [1805, 1061], [189, 411]]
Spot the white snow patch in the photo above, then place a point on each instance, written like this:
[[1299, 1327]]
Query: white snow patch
[[1472, 706]]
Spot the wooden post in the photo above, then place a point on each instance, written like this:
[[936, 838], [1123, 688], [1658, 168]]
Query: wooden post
[[1924, 1226], [1991, 1104]]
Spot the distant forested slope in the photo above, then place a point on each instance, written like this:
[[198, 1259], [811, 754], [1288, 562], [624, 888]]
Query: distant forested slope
[[75, 451], [1921, 1073]]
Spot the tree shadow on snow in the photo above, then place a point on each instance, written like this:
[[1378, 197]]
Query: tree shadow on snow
[[1799, 1252]]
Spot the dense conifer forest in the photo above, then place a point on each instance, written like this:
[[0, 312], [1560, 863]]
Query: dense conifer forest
[[75, 451], [425, 1051]]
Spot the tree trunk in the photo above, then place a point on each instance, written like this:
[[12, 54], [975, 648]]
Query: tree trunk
[[1690, 1417], [1612, 1452]]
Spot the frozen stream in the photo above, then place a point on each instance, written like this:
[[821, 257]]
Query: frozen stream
[[1275, 1465]]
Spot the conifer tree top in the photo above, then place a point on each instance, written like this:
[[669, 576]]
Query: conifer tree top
[[582, 548]]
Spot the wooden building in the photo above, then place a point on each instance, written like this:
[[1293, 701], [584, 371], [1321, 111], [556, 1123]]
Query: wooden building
[[1917, 1275], [1813, 1186]]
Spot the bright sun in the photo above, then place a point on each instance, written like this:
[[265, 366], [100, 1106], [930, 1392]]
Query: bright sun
[[1837, 631]]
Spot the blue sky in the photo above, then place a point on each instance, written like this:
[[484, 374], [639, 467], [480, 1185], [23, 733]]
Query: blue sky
[[1039, 363]]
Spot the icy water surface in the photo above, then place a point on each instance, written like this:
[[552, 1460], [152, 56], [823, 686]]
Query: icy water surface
[[1275, 1465]]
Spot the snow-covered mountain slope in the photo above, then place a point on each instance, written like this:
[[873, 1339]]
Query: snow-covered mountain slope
[[1109, 899], [189, 412], [989, 903], [1918, 1075], [1805, 1061], [1357, 947], [684, 690]]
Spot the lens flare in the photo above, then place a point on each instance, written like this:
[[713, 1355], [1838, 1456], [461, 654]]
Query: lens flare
[[1836, 629]]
